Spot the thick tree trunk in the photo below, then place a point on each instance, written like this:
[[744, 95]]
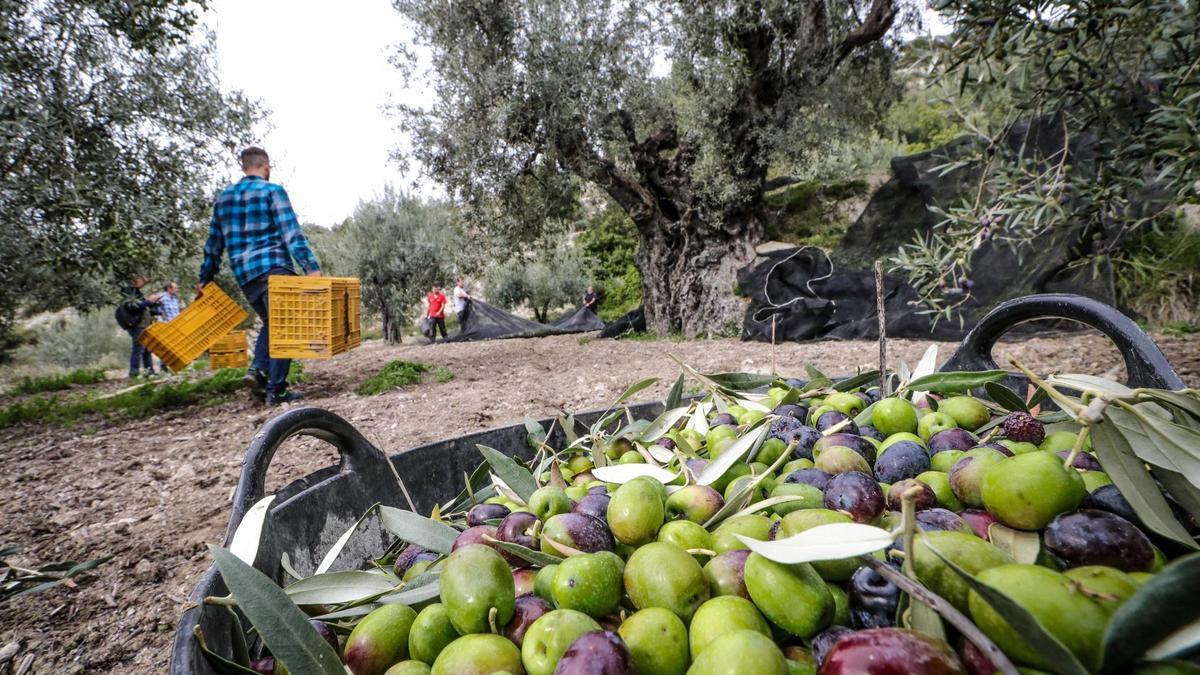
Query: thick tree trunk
[[689, 272], [391, 327]]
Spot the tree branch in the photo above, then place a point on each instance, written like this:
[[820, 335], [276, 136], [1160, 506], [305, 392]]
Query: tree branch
[[879, 20]]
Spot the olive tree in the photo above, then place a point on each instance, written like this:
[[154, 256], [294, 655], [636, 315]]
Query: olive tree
[[112, 128], [675, 110]]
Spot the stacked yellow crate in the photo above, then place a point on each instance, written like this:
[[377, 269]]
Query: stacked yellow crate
[[197, 328], [229, 352], [313, 317]]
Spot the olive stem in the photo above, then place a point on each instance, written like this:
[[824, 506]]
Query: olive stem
[[1080, 439], [908, 518], [221, 601], [1055, 394], [492, 614]]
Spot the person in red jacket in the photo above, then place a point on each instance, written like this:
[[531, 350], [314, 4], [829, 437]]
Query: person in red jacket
[[437, 311]]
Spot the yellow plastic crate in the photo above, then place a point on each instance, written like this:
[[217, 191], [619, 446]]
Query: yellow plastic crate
[[197, 328], [310, 317], [219, 360], [235, 341]]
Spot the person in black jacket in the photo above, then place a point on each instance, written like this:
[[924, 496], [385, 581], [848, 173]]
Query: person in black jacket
[[140, 357]]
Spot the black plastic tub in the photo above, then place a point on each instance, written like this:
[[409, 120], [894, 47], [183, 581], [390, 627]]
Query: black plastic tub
[[309, 514]]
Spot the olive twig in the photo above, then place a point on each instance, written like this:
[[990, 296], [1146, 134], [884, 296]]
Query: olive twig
[[492, 614], [908, 518], [1062, 399]]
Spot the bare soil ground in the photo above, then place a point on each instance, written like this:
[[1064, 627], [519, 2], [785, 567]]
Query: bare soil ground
[[152, 492]]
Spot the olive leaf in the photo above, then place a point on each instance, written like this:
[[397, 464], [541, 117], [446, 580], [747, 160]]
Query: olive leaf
[[742, 496], [515, 476], [1005, 397], [219, 664], [925, 367], [1020, 620], [336, 588], [699, 421], [814, 373], [1023, 546], [336, 550], [1188, 405], [535, 433], [675, 395], [824, 542], [856, 381], [535, 558], [623, 473], [867, 416], [568, 427], [633, 389], [417, 529], [279, 622], [423, 587], [1129, 474], [955, 382], [735, 382], [765, 504], [1156, 611], [1079, 382], [244, 543], [748, 441]]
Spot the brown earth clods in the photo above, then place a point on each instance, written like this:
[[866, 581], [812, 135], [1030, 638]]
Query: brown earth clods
[[152, 492]]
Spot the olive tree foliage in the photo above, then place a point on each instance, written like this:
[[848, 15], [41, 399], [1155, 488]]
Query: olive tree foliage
[[675, 110], [1119, 82], [543, 283], [399, 246], [112, 127]]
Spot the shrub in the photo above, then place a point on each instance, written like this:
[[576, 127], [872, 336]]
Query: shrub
[[393, 375]]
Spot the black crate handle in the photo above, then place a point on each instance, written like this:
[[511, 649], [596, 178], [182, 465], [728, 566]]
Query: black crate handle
[[1144, 361], [358, 455]]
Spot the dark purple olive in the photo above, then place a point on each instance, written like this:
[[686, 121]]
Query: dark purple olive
[[474, 535], [517, 528], [1090, 537], [805, 437], [974, 660], [873, 600], [864, 397], [599, 652], [791, 410], [598, 490], [951, 439], [903, 459], [824, 641], [814, 477], [926, 498], [481, 513], [326, 632], [263, 666], [696, 466], [868, 431], [855, 442], [666, 443], [833, 418], [576, 530], [724, 418], [857, 494], [529, 608], [1084, 460], [595, 506], [979, 521], [407, 558], [942, 519], [1109, 498], [794, 382]]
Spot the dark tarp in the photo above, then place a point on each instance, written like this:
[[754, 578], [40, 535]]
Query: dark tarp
[[632, 322], [582, 320], [488, 322], [808, 299]]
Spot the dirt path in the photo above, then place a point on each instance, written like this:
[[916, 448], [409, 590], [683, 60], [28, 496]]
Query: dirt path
[[153, 492]]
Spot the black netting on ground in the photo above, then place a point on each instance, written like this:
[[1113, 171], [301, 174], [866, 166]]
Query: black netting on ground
[[799, 289], [581, 320], [633, 322], [488, 322]]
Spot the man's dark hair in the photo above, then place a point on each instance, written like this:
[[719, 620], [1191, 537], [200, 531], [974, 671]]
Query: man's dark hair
[[253, 157]]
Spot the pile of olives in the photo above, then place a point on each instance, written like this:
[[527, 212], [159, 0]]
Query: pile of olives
[[641, 585]]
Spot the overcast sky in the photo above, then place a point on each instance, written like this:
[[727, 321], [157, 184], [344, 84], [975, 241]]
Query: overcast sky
[[322, 70]]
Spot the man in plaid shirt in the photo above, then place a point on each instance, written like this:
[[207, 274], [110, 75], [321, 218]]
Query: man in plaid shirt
[[168, 304], [253, 221]]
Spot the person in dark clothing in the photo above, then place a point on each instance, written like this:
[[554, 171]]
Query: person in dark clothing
[[589, 299], [140, 357], [437, 311], [254, 222]]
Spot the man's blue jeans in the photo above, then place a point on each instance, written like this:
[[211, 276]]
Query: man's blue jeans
[[276, 369], [139, 356]]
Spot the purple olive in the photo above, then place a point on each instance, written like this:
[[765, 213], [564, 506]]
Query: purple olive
[[857, 494], [791, 410], [1084, 460], [868, 431], [925, 499], [873, 600], [901, 460], [408, 557], [474, 535], [481, 513], [814, 477], [595, 506], [599, 652], [723, 418], [951, 439], [833, 418], [824, 641], [529, 608], [1090, 537]]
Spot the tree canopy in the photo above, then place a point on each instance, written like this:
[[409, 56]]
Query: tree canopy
[[674, 110], [112, 126]]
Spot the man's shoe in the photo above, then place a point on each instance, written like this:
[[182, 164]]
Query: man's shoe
[[255, 379], [284, 397]]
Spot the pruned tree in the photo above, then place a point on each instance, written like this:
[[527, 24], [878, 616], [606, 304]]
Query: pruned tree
[[112, 129], [542, 282], [675, 110]]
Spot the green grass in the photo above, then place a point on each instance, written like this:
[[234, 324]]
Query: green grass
[[393, 375], [1181, 328], [443, 374], [145, 400], [805, 213], [37, 385]]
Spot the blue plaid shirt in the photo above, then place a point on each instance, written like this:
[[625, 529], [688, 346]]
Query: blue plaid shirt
[[169, 306], [254, 221]]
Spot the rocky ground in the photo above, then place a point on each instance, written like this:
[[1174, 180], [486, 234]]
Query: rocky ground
[[153, 492]]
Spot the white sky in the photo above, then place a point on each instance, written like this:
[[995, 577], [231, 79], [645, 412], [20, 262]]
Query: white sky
[[322, 70]]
